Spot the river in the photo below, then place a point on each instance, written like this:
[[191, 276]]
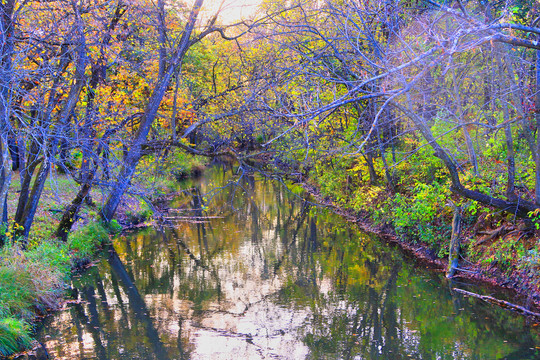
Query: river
[[262, 274]]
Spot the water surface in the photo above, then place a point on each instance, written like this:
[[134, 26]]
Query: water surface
[[260, 274]]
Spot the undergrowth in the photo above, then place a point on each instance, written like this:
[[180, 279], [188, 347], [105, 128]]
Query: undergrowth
[[32, 281]]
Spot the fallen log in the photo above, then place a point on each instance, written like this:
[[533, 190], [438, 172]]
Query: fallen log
[[499, 302]]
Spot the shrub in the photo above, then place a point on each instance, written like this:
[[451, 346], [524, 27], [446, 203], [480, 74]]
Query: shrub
[[113, 227], [418, 215]]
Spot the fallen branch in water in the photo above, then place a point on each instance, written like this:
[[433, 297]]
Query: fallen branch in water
[[501, 303]]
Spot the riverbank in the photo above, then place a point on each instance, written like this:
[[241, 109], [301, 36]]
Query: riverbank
[[33, 280], [262, 262], [483, 240]]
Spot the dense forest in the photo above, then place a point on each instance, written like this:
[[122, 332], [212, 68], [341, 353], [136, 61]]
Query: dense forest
[[418, 116]]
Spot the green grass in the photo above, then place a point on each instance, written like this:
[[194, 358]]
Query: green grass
[[13, 336], [33, 281]]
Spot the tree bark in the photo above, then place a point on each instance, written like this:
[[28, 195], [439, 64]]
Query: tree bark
[[466, 135], [134, 154], [453, 256], [68, 218], [5, 177], [28, 170], [31, 206], [510, 159], [537, 106]]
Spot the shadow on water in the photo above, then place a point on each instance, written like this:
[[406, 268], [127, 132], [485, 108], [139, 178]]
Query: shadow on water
[[261, 274]]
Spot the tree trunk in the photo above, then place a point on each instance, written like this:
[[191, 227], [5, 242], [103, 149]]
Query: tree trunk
[[510, 184], [537, 105], [134, 154], [28, 170], [33, 201], [463, 125], [6, 61], [385, 164], [371, 167], [5, 177], [162, 38], [453, 256], [69, 216], [510, 159]]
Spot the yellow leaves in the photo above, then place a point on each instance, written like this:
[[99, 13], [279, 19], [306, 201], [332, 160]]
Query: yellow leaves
[[534, 213]]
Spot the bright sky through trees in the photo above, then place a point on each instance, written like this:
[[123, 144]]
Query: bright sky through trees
[[231, 10]]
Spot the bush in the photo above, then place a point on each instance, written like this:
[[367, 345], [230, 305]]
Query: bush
[[420, 215], [113, 227]]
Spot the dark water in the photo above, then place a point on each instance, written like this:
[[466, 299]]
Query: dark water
[[267, 276]]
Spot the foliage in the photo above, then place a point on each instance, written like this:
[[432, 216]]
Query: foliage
[[14, 335], [84, 242], [34, 279], [113, 227]]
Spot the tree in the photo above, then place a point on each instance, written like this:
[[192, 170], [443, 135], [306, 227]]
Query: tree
[[417, 71]]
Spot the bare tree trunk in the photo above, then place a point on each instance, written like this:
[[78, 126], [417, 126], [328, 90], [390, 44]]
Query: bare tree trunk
[[28, 170], [510, 159], [70, 214], [37, 190], [5, 178], [385, 164], [134, 154], [161, 27], [6, 60], [510, 184], [371, 167], [22, 157], [453, 256], [537, 105], [459, 110]]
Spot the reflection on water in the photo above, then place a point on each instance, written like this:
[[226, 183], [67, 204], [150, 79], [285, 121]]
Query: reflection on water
[[263, 275]]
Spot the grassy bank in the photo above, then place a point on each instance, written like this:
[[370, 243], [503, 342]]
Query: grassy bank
[[32, 282]]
